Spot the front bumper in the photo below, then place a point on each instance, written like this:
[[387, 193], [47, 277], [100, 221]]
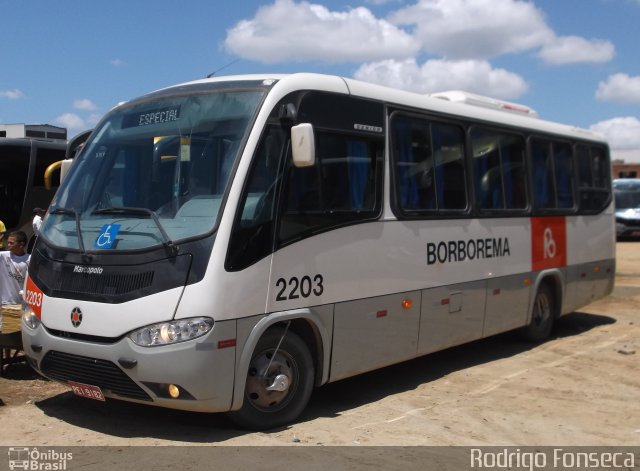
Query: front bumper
[[203, 368]]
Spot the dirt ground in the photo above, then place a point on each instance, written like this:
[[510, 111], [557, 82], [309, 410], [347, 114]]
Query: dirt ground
[[582, 387]]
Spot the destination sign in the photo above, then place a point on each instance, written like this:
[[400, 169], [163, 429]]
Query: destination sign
[[147, 118]]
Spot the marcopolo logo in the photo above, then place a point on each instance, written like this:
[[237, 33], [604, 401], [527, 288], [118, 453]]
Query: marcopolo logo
[[76, 317], [38, 460]]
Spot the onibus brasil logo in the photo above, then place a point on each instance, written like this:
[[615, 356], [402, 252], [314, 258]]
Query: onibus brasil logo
[[38, 460]]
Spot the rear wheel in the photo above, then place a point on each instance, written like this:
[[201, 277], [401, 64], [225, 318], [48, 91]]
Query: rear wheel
[[542, 316], [279, 382]]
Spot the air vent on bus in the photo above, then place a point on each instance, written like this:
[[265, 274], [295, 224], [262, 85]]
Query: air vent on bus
[[103, 373], [106, 284], [485, 102]]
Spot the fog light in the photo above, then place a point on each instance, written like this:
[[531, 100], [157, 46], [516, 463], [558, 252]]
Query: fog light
[[174, 391]]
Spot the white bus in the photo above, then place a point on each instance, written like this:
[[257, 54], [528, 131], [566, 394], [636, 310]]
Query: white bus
[[229, 244]]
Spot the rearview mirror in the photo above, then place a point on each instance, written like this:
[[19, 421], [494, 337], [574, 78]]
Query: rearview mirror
[[303, 145]]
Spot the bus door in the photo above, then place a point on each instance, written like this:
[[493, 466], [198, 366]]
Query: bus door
[[330, 247]]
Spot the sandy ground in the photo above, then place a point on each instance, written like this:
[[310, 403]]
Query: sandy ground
[[582, 387]]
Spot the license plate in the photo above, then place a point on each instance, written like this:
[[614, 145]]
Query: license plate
[[86, 390]]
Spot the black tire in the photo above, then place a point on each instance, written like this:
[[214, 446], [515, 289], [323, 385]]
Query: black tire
[[542, 316], [263, 409]]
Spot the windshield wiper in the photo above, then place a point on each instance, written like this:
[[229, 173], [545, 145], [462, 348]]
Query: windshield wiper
[[74, 213], [166, 241]]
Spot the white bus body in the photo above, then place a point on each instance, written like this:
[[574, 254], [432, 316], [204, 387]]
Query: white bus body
[[186, 262]]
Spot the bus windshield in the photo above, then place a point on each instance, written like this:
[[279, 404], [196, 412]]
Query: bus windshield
[[154, 172]]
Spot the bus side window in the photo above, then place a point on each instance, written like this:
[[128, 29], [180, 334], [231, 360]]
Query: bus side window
[[593, 178], [544, 192], [564, 174], [428, 166], [448, 145], [413, 164], [487, 169], [342, 187], [552, 174], [252, 235], [499, 170]]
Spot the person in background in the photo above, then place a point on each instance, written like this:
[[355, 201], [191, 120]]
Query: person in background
[[38, 214], [3, 230], [13, 270]]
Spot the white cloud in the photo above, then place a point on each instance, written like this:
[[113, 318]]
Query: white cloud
[[622, 133], [289, 31], [14, 94], [117, 62], [93, 119], [574, 50], [84, 104], [439, 75], [481, 29], [478, 29], [72, 122], [620, 88]]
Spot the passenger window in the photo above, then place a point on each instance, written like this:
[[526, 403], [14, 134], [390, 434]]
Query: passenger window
[[594, 178], [341, 188], [428, 165], [552, 174], [499, 170], [448, 145], [564, 171]]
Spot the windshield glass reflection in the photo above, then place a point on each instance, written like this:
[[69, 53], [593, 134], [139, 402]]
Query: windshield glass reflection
[[153, 173]]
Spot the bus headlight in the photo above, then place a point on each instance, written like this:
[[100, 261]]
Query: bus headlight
[[165, 333], [29, 318]]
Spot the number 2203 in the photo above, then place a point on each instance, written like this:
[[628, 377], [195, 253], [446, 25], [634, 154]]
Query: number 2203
[[296, 287]]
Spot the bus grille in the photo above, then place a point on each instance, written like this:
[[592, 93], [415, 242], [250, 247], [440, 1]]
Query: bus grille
[[112, 284], [105, 374]]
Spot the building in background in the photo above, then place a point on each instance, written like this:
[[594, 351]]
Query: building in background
[[622, 169], [34, 131]]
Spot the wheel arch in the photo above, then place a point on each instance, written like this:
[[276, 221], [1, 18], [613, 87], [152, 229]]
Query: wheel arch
[[555, 280], [304, 323]]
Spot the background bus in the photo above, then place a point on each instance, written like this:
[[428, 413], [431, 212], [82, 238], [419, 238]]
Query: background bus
[[23, 162]]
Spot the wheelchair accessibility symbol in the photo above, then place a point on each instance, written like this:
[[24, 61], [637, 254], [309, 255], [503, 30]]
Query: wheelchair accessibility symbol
[[107, 236]]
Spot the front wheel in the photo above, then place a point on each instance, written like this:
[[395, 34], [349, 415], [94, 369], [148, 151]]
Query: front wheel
[[542, 316], [279, 382]]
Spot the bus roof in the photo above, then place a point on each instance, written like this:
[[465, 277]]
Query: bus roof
[[450, 105]]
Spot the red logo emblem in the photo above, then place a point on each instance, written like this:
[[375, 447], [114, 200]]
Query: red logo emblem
[[548, 242], [76, 317]]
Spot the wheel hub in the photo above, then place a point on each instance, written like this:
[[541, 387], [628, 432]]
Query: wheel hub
[[270, 379]]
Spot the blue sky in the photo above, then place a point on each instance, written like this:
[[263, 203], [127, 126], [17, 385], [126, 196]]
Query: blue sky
[[574, 61]]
